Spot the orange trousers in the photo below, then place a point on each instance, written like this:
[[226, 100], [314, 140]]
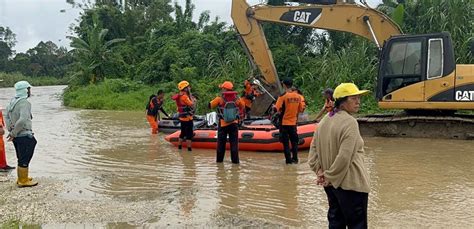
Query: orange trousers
[[153, 124], [3, 158]]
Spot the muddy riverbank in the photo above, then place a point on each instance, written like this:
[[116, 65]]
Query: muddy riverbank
[[63, 202]]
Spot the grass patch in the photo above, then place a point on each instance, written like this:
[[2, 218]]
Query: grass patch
[[10, 224], [9, 79], [112, 94], [120, 94], [15, 224]]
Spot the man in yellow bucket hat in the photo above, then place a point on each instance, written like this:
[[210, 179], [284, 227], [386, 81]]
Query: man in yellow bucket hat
[[336, 156]]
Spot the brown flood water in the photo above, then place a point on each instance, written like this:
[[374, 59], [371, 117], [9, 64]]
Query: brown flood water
[[111, 155]]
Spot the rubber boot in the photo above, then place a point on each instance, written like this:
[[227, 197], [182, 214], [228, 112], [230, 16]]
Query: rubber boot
[[29, 178], [23, 179]]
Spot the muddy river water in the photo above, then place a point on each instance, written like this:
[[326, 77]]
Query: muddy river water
[[103, 169]]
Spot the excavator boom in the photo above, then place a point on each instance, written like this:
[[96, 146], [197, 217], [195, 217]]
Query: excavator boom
[[353, 18]]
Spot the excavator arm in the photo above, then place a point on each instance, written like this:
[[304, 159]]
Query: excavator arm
[[353, 18]]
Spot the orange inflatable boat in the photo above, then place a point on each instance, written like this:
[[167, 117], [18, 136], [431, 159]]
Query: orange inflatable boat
[[251, 138]]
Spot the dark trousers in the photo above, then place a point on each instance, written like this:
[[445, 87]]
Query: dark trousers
[[24, 147], [346, 208], [247, 112], [232, 131], [289, 134], [187, 130]]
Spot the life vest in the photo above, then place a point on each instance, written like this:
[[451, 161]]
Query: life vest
[[154, 106], [183, 110], [228, 110], [249, 93]]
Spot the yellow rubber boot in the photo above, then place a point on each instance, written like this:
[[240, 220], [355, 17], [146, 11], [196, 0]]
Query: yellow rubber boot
[[29, 178], [23, 179]]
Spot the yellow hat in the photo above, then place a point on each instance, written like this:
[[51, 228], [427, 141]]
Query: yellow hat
[[347, 89], [183, 84]]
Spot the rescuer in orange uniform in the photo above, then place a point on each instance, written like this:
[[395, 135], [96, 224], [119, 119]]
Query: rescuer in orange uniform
[[185, 103], [153, 108], [228, 105], [248, 96], [288, 106]]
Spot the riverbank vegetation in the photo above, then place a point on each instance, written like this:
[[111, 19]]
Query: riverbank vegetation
[[111, 94], [122, 54], [9, 79]]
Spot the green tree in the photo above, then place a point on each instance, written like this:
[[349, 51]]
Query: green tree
[[7, 41], [53, 60], [432, 16], [20, 63], [184, 19], [7, 36], [93, 53], [395, 9]]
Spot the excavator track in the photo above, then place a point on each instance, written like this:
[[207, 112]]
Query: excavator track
[[458, 126]]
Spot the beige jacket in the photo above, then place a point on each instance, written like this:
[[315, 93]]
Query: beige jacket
[[337, 149]]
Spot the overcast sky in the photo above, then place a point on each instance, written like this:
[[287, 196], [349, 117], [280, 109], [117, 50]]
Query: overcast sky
[[41, 20]]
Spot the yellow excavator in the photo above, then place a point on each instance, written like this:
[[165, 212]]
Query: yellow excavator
[[416, 72]]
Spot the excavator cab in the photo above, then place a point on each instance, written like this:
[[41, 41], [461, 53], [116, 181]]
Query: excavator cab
[[416, 71]]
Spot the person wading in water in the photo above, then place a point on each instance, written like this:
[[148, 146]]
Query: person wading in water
[[185, 103], [153, 108], [288, 106], [228, 105]]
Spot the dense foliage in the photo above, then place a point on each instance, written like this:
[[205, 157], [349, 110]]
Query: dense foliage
[[431, 16], [130, 51], [44, 60], [9, 79], [157, 51], [161, 50]]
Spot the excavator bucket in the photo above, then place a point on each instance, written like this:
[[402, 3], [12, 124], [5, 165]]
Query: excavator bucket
[[264, 102]]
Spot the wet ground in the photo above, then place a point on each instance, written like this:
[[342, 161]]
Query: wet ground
[[103, 169]]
